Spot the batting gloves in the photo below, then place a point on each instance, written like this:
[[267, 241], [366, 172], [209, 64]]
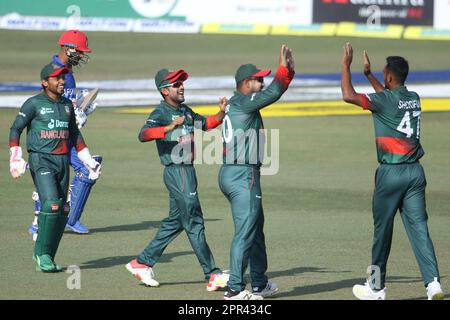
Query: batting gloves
[[93, 166]]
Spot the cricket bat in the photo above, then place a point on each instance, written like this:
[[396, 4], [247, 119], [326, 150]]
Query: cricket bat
[[88, 99]]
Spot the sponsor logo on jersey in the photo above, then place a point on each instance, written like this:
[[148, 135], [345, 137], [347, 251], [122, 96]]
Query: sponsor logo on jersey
[[45, 110], [67, 108], [58, 124], [45, 173], [54, 134]]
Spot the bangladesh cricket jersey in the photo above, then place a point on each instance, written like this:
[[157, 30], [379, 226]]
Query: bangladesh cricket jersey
[[396, 117], [242, 130], [50, 126], [176, 146]]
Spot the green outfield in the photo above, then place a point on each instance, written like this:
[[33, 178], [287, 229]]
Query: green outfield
[[318, 215], [139, 55], [317, 208]]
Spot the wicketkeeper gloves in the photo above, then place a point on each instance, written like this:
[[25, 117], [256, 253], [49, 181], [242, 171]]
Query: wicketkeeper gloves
[[17, 165]]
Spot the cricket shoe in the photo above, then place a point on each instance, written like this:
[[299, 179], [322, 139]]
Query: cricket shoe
[[243, 295], [217, 281], [434, 291], [33, 230], [77, 228], [45, 263], [269, 290], [142, 272], [365, 292]]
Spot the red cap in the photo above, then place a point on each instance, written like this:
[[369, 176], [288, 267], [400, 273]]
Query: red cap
[[261, 73], [164, 77], [179, 75], [76, 39], [52, 70]]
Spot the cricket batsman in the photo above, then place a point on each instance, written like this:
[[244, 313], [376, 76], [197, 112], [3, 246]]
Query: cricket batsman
[[239, 176], [73, 52], [51, 126]]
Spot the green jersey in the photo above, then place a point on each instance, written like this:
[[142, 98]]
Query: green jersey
[[176, 146], [396, 117], [242, 128], [50, 126]]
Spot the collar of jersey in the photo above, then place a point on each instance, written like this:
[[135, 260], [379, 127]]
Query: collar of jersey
[[57, 61], [165, 104]]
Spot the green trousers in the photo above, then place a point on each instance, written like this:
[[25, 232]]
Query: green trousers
[[185, 214], [402, 187], [241, 186], [50, 175]]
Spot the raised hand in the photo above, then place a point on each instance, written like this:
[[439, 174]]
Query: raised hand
[[347, 58], [367, 70], [223, 102]]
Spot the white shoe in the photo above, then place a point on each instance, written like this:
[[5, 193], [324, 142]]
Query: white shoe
[[243, 295], [366, 293], [434, 291], [217, 281], [142, 272], [269, 290]]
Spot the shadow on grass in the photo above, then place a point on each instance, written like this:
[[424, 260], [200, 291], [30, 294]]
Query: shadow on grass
[[329, 286], [298, 270], [144, 225], [109, 262]]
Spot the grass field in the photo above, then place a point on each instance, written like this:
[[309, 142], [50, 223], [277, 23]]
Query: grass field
[[140, 55], [318, 216], [317, 208]]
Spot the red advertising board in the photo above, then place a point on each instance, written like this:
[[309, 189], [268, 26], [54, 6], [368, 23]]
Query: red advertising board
[[404, 12]]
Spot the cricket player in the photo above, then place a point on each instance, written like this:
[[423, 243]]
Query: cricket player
[[73, 52], [239, 176], [172, 124], [50, 122], [400, 179]]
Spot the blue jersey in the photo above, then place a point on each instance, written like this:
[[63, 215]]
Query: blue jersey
[[70, 93], [70, 86]]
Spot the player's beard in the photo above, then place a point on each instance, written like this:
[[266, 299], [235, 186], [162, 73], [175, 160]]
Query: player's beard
[[178, 97]]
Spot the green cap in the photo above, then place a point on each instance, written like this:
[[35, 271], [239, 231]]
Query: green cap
[[249, 70], [52, 70], [164, 77]]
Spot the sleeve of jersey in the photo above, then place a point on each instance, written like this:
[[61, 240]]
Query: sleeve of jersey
[[273, 92], [377, 101], [365, 102], [149, 134], [153, 128], [283, 77], [211, 122], [22, 120]]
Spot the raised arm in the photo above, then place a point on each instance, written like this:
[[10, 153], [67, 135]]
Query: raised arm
[[277, 87], [377, 86], [348, 91]]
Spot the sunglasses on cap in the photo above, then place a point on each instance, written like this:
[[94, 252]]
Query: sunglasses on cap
[[176, 84]]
